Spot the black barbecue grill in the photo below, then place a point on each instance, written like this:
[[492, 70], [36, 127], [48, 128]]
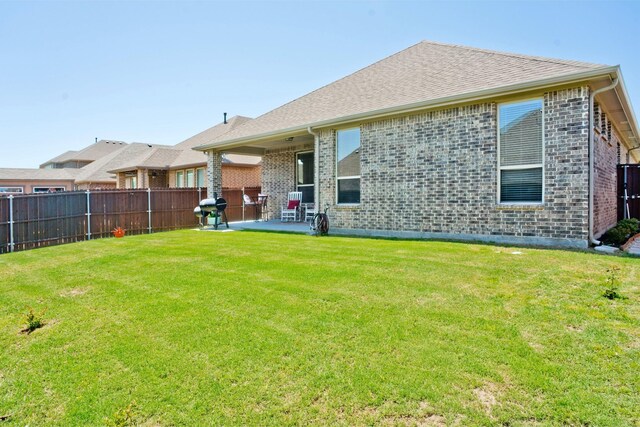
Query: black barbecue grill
[[212, 208]]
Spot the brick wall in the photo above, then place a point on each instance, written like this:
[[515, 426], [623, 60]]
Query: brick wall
[[214, 173], [436, 172], [241, 176], [609, 151]]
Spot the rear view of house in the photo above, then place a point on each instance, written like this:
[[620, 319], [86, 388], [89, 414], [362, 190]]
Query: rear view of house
[[454, 142]]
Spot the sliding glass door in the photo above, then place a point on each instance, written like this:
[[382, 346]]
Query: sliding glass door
[[304, 176]]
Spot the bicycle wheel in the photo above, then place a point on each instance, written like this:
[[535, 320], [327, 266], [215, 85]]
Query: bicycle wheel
[[316, 224]]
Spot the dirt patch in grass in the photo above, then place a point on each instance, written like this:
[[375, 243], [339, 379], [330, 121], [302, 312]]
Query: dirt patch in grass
[[74, 292], [487, 395]]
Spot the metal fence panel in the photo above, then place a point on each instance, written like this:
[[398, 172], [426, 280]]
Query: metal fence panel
[[4, 225]]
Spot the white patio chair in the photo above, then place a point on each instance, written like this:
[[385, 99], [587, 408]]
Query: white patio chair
[[291, 210], [309, 211]]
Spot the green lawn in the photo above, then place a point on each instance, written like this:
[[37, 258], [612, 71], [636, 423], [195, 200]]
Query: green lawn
[[201, 328]]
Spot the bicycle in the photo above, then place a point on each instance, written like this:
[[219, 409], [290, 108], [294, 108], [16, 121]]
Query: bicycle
[[320, 223]]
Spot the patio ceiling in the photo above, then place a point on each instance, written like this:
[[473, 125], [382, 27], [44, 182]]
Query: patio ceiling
[[259, 147]]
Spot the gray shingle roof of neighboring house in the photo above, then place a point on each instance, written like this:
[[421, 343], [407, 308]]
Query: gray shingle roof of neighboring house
[[427, 71], [102, 169], [189, 157], [64, 157], [91, 153], [38, 174]]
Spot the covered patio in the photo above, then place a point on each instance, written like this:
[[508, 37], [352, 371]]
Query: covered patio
[[289, 164]]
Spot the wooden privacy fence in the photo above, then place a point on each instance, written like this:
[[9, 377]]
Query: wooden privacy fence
[[628, 191], [38, 220]]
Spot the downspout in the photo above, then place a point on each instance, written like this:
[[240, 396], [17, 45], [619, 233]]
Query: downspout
[[316, 168], [592, 186]]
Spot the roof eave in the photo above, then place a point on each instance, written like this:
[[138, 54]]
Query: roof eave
[[433, 103]]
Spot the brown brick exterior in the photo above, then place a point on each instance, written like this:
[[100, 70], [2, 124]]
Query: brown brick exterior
[[241, 176]]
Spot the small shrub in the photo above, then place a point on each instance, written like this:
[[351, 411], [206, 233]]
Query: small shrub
[[34, 320], [613, 282], [123, 417], [621, 232]]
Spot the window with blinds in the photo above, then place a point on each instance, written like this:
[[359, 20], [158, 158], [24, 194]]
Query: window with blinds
[[521, 152]]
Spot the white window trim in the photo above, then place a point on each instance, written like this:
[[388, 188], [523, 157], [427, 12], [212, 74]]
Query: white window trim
[[57, 189], [347, 177], [14, 187], [521, 167]]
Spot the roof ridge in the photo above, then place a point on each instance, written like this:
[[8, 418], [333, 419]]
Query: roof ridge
[[515, 55]]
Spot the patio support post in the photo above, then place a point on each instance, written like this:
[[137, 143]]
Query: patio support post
[[11, 242], [149, 205], [214, 173], [88, 215]]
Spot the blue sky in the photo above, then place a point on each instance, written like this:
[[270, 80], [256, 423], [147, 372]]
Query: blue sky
[[159, 72]]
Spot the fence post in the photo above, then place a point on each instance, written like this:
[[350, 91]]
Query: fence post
[[242, 204], [199, 194], [149, 204], [88, 215], [11, 242]]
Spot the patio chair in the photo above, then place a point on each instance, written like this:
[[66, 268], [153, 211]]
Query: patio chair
[[309, 211], [262, 204], [249, 202], [291, 211]]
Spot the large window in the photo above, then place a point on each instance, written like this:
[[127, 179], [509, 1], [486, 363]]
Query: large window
[[180, 179], [304, 176], [520, 136], [348, 166], [200, 177]]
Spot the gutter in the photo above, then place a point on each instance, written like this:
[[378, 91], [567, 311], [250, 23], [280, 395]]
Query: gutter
[[316, 168], [407, 108], [592, 96]]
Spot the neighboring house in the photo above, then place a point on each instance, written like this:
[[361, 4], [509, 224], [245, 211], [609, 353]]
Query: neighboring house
[[60, 173], [181, 166], [79, 159], [454, 142], [24, 181]]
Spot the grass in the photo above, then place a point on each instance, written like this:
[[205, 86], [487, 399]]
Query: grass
[[197, 328]]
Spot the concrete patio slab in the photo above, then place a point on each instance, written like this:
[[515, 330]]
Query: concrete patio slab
[[288, 227]]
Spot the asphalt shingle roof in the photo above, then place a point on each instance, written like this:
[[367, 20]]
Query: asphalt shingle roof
[[423, 72], [189, 157], [90, 153]]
